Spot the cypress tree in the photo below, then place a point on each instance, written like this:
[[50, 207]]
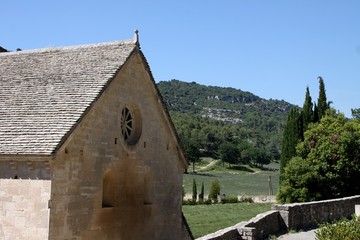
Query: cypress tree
[[316, 113], [307, 111], [194, 193], [201, 195], [322, 102], [292, 135]]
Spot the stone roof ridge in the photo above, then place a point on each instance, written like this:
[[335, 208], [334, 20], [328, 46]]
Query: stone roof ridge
[[71, 48]]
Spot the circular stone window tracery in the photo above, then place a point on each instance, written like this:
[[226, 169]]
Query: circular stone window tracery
[[130, 124]]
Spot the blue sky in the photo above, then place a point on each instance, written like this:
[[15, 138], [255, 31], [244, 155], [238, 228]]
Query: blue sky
[[274, 49]]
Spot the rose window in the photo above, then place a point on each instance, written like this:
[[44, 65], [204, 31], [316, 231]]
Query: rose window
[[130, 125]]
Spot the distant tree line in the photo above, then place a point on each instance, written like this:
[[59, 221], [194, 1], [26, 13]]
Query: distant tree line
[[205, 137]]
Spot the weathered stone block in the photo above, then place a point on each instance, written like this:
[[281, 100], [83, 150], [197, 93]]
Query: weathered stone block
[[21, 219], [357, 210]]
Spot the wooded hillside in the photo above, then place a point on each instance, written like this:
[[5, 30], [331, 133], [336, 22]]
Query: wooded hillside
[[210, 119]]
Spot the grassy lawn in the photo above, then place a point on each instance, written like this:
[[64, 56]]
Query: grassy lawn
[[205, 219], [234, 181], [239, 180]]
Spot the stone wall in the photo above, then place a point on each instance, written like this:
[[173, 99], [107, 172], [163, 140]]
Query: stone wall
[[309, 215], [287, 217], [259, 227], [230, 233], [25, 167], [263, 225], [105, 187], [24, 210]]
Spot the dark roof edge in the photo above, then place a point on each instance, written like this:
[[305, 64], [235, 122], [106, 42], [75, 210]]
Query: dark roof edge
[[3, 49]]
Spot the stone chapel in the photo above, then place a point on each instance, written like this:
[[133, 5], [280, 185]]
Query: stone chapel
[[87, 147]]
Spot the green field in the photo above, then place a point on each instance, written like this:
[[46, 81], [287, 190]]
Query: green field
[[205, 219], [234, 181], [239, 180]]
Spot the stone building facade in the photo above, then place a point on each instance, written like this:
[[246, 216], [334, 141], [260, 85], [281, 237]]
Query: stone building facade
[[87, 148]]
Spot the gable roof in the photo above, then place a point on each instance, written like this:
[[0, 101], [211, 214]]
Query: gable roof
[[44, 93], [2, 49]]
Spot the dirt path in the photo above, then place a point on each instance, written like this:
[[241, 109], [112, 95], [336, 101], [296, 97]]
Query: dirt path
[[207, 167]]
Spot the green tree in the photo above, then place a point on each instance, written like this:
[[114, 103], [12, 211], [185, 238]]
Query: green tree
[[246, 152], [192, 151], [212, 142], [292, 135], [214, 190], [355, 113], [262, 158], [201, 195], [229, 153], [194, 192], [322, 104], [298, 179], [307, 111], [183, 193], [274, 152], [316, 113], [327, 163]]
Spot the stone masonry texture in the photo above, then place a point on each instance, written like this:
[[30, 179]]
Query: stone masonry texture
[[24, 210], [62, 128]]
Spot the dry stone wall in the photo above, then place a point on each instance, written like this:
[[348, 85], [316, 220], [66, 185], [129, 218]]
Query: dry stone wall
[[24, 209]]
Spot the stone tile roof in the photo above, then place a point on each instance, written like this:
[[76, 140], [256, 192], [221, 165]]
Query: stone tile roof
[[44, 93]]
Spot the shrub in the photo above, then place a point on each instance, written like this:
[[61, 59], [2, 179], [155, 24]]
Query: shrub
[[230, 199], [189, 202], [246, 199], [344, 229], [214, 190]]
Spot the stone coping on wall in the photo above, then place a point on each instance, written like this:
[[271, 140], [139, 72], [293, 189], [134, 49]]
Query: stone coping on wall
[[308, 215]]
